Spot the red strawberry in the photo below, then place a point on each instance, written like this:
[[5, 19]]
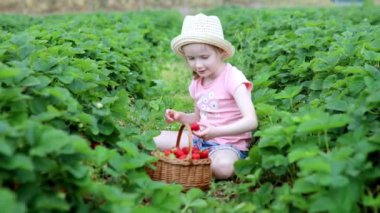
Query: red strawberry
[[179, 153], [195, 150], [182, 157], [185, 150], [167, 152], [204, 153], [176, 150], [195, 126], [94, 144], [196, 156]]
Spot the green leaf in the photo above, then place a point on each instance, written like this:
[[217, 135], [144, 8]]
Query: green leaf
[[371, 201], [51, 141], [50, 114], [320, 121], [303, 151], [289, 92], [4, 127], [167, 199], [198, 203], [301, 186], [274, 161], [325, 63], [337, 104], [265, 109], [102, 155], [7, 72], [354, 70], [106, 128], [30, 81], [44, 62], [371, 55], [65, 79], [90, 120], [193, 194], [341, 199], [129, 148], [18, 161], [21, 38], [5, 148], [329, 81], [11, 95], [314, 164], [373, 97], [8, 202], [78, 170], [51, 202]]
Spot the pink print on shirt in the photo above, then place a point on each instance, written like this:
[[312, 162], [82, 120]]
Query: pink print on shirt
[[217, 105], [208, 104]]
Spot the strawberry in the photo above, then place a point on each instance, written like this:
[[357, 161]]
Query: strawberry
[[195, 126], [179, 153], [195, 150], [185, 150], [167, 152], [196, 156], [176, 151], [94, 144], [182, 157], [204, 153]]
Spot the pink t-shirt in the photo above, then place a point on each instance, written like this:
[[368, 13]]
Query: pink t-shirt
[[217, 106]]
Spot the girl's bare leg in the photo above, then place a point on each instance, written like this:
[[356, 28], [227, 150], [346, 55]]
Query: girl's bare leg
[[222, 163], [168, 139]]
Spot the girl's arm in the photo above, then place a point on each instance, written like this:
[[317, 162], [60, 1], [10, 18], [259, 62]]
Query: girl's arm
[[182, 117], [247, 123]]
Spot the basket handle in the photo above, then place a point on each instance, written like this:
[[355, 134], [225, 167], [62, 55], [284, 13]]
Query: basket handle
[[190, 139]]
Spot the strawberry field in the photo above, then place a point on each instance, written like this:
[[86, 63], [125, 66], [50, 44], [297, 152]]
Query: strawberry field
[[82, 96]]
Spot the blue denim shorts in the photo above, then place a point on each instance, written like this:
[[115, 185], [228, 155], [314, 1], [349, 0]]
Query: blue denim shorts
[[212, 147]]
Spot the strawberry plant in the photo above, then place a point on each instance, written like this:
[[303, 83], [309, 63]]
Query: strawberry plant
[[314, 76], [81, 99]]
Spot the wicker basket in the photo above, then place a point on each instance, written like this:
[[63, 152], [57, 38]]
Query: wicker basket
[[187, 172]]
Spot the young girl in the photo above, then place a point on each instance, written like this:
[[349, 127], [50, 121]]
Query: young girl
[[222, 96]]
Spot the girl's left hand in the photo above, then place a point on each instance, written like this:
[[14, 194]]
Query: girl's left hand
[[206, 132]]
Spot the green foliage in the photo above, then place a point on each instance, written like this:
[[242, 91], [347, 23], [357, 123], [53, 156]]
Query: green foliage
[[82, 96], [315, 76], [71, 87]]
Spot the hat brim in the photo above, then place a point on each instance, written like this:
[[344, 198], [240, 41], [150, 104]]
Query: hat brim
[[181, 40]]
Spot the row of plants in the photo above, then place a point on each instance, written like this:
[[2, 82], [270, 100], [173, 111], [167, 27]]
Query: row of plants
[[316, 75], [70, 89], [82, 97]]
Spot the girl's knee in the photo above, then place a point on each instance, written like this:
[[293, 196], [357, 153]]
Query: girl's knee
[[223, 168], [223, 164]]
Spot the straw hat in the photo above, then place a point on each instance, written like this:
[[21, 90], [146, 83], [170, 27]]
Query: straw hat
[[202, 29]]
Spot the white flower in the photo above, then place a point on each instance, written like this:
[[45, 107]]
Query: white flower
[[214, 105], [211, 95], [99, 105], [204, 99]]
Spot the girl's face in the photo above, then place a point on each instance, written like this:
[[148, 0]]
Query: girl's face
[[205, 60]]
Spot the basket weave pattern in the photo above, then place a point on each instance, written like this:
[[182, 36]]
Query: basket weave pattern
[[187, 172]]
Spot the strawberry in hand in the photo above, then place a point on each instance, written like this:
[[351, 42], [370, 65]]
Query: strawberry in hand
[[195, 126]]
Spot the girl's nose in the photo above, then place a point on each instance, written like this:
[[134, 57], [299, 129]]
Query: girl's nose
[[198, 63]]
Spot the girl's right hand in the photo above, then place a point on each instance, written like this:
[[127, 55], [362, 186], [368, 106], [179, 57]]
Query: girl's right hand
[[171, 116]]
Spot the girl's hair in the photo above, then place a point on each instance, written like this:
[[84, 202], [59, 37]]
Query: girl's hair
[[217, 49]]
